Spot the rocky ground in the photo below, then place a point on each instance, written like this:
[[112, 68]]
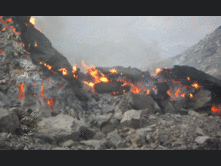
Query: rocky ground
[[157, 132], [39, 110]]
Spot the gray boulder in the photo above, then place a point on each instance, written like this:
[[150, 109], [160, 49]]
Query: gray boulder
[[132, 118], [9, 121], [60, 128]]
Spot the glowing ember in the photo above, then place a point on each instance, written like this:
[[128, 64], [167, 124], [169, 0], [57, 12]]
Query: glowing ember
[[7, 20], [21, 95], [27, 52], [34, 83], [215, 110], [32, 21], [1, 51], [182, 94], [50, 79], [112, 71], [64, 71], [9, 79], [42, 90], [195, 85], [36, 44], [51, 102], [115, 93], [169, 93], [158, 70], [59, 86], [34, 95], [23, 44], [188, 78], [134, 88]]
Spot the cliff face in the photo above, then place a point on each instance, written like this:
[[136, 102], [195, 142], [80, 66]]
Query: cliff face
[[205, 56]]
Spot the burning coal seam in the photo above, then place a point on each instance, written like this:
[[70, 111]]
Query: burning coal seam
[[97, 77]]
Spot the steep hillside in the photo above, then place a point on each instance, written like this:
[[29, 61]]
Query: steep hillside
[[205, 56]]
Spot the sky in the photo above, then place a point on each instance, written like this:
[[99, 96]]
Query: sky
[[134, 41]]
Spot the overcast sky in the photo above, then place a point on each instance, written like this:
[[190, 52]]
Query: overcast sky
[[124, 40]]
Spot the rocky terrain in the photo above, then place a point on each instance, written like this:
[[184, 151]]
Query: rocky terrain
[[127, 109]]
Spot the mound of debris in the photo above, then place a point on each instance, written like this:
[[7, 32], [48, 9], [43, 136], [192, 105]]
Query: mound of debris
[[45, 104]]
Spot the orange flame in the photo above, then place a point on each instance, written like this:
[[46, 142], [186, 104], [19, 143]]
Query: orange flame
[[89, 84], [4, 29], [195, 85], [21, 95], [74, 70], [168, 92], [97, 75], [32, 20], [36, 44], [148, 92], [191, 95], [158, 70], [188, 78], [46, 65], [112, 71], [64, 71]]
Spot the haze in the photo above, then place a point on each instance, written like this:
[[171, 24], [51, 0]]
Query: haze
[[124, 40]]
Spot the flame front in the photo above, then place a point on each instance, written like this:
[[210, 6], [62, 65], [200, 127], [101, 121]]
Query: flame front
[[97, 75]]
